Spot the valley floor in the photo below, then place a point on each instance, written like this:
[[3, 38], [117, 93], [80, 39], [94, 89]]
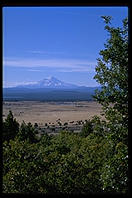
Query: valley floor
[[51, 112]]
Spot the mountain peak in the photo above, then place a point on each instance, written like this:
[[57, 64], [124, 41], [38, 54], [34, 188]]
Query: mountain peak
[[50, 82], [51, 78]]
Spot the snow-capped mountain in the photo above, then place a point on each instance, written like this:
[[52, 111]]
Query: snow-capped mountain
[[50, 82]]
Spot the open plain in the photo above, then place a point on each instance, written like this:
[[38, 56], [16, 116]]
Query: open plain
[[51, 112]]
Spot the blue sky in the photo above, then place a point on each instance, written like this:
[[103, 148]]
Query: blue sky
[[63, 42]]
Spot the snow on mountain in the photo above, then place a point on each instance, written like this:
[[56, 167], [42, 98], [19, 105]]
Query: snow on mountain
[[50, 82]]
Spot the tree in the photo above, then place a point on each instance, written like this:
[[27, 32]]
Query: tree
[[27, 132], [23, 166], [112, 74], [87, 129], [115, 171], [35, 125], [10, 127]]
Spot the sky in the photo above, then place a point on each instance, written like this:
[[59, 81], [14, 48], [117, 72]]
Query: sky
[[64, 42]]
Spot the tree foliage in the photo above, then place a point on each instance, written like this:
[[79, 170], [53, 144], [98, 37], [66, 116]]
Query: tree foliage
[[112, 74], [27, 132], [10, 127], [66, 163]]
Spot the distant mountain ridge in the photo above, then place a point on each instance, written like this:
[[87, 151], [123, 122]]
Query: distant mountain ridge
[[49, 89], [50, 82]]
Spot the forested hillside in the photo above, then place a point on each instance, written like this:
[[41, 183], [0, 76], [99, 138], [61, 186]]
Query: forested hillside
[[49, 94]]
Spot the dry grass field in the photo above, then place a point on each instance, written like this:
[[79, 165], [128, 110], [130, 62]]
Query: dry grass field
[[50, 112]]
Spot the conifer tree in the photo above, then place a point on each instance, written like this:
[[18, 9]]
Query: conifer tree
[[10, 127]]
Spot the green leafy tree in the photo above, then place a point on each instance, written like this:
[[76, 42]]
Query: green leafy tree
[[24, 167], [112, 74], [115, 171], [66, 163], [10, 127], [95, 126]]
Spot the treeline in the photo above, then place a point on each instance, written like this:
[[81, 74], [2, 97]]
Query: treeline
[[93, 161], [48, 95]]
